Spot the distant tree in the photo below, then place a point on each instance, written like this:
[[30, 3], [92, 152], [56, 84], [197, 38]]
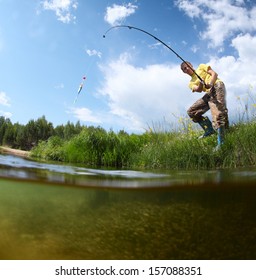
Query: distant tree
[[21, 136], [44, 129], [31, 133], [1, 130], [9, 134], [59, 131], [28, 136], [3, 125], [71, 130], [16, 128], [78, 127]]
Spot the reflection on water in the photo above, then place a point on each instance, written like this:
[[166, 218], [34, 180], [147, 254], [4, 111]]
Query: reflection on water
[[11, 166], [16, 167], [144, 215]]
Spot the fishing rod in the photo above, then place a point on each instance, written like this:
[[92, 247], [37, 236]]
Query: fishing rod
[[159, 40]]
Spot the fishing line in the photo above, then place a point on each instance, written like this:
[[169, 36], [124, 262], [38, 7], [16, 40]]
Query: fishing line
[[90, 65], [88, 68]]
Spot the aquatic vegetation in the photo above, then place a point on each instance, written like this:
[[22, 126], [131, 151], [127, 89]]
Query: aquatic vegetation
[[48, 221], [93, 147], [153, 150]]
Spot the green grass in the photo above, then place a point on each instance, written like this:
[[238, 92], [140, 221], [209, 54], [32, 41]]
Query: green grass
[[154, 149]]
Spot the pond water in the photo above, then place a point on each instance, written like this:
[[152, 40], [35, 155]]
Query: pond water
[[57, 211]]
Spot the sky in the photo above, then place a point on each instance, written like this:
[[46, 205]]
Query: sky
[[133, 82]]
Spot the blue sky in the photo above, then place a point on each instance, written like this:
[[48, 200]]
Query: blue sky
[[47, 46]]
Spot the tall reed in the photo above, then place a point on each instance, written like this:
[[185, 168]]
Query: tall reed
[[154, 150]]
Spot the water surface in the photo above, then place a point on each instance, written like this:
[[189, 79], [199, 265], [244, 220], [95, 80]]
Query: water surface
[[18, 167], [56, 211]]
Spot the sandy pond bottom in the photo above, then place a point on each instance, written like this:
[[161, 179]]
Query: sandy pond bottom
[[42, 220]]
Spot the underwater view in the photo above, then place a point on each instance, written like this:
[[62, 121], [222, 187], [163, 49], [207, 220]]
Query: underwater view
[[54, 211]]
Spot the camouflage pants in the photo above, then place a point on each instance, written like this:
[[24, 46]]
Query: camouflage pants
[[214, 101]]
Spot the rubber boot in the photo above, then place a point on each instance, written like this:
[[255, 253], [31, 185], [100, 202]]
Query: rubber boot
[[220, 138], [206, 125]]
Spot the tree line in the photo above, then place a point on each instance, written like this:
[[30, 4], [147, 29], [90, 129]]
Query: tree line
[[25, 137]]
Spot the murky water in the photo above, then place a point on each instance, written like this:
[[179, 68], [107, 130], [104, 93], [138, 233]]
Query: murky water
[[54, 211]]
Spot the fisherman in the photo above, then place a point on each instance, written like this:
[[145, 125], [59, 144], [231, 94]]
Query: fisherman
[[213, 99]]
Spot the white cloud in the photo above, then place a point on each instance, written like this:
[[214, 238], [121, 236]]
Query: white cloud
[[4, 99], [139, 96], [7, 115], [246, 46], [85, 115], [194, 48], [223, 19], [62, 8], [117, 13], [238, 73], [93, 53], [189, 7], [59, 86]]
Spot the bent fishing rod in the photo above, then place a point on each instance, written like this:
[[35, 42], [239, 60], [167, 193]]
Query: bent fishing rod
[[157, 39]]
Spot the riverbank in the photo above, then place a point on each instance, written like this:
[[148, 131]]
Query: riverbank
[[174, 150], [14, 152]]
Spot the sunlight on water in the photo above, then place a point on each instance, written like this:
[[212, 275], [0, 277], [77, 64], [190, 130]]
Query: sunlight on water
[[42, 218]]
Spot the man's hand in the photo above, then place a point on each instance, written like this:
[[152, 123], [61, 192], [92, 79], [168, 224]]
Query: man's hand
[[209, 86]]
